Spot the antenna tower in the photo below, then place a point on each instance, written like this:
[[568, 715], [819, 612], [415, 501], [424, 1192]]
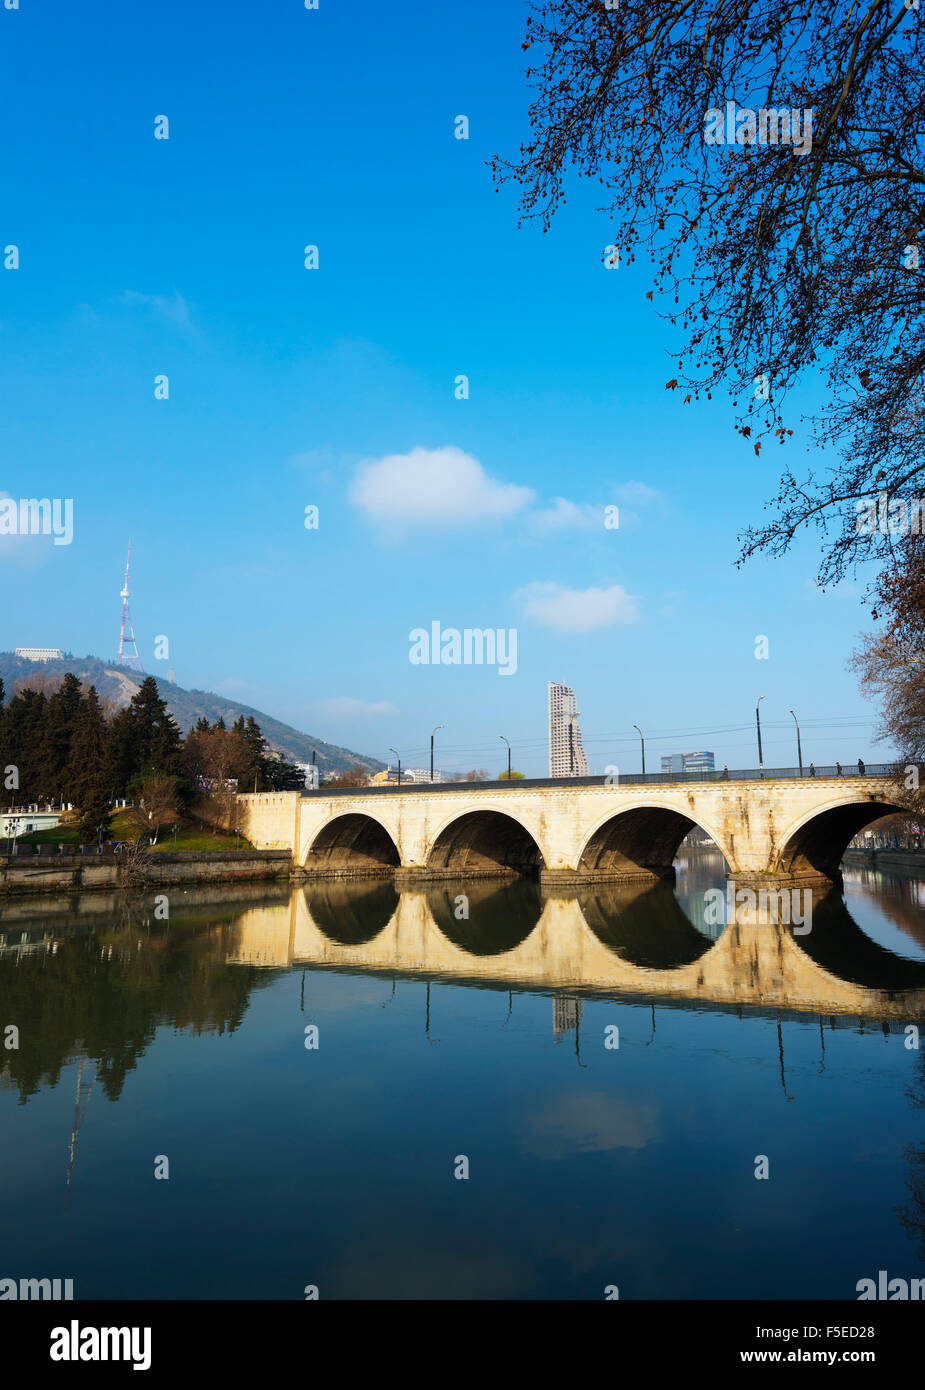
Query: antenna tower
[[127, 632]]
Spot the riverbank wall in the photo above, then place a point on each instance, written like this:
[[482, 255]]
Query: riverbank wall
[[910, 861], [51, 873]]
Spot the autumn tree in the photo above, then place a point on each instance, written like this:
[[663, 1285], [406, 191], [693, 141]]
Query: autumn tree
[[156, 804], [354, 776], [784, 254]]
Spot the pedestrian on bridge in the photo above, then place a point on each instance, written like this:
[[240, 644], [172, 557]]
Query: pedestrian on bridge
[[838, 769], [860, 767], [812, 769]]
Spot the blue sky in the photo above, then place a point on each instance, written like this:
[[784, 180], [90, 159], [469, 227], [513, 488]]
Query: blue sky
[[335, 388]]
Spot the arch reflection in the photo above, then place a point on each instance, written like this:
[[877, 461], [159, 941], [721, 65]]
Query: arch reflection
[[500, 915], [643, 924], [350, 913]]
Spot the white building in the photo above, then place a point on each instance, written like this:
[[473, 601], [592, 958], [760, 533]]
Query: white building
[[16, 823], [40, 653], [566, 751]]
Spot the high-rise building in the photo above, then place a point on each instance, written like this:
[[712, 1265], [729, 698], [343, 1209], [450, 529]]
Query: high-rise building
[[688, 762], [566, 1015], [566, 751]]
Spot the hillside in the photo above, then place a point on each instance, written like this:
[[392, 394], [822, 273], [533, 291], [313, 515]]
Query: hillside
[[186, 706]]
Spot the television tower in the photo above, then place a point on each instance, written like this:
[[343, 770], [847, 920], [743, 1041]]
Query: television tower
[[127, 632]]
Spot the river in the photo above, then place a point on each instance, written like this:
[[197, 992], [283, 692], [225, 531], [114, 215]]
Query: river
[[473, 1091]]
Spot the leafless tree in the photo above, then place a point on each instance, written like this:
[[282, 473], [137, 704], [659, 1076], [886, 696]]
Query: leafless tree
[[781, 264]]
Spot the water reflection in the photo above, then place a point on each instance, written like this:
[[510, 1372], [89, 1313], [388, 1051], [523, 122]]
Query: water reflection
[[486, 918], [351, 913], [107, 977], [644, 925], [453, 1026]]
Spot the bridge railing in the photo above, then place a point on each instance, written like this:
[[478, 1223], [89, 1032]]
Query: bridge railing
[[648, 779]]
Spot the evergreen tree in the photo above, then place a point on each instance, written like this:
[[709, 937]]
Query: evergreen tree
[[156, 745], [283, 776], [24, 721], [256, 746], [89, 768], [122, 751], [95, 816], [59, 723]]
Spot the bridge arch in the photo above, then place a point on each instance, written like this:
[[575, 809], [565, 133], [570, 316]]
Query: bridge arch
[[640, 840], [814, 845], [352, 842], [485, 842]]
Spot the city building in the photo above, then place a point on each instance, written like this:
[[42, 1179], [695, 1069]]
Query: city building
[[389, 776], [566, 751], [566, 1015], [692, 763], [16, 823], [40, 653]]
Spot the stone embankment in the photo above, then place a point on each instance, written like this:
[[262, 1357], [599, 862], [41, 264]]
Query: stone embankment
[[50, 873]]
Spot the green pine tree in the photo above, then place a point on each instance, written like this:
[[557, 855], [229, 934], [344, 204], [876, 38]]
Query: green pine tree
[[155, 741], [95, 816], [59, 722], [89, 768]]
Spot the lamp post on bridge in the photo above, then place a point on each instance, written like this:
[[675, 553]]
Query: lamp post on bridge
[[643, 743], [758, 727], [799, 749], [501, 736], [395, 751], [439, 726]]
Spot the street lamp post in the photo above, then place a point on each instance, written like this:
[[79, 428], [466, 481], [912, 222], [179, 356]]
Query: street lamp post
[[501, 736], [799, 749], [439, 726], [643, 742], [395, 751], [758, 727]]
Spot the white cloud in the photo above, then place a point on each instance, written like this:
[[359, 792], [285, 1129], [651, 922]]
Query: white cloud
[[577, 610], [594, 1122], [175, 310], [637, 493], [345, 707], [437, 486], [562, 515], [24, 548]]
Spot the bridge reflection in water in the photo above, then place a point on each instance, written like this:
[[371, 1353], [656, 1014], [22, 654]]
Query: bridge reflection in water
[[612, 940]]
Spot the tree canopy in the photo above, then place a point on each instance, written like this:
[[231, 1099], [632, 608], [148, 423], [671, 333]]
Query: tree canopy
[[767, 157]]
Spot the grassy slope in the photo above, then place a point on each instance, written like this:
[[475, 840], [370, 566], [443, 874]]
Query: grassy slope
[[191, 837]]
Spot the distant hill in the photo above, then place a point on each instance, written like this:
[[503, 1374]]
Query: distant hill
[[119, 685]]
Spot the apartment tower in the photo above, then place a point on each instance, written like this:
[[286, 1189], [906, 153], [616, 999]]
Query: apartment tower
[[566, 752]]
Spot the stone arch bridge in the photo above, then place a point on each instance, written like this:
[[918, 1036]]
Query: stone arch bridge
[[783, 827]]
